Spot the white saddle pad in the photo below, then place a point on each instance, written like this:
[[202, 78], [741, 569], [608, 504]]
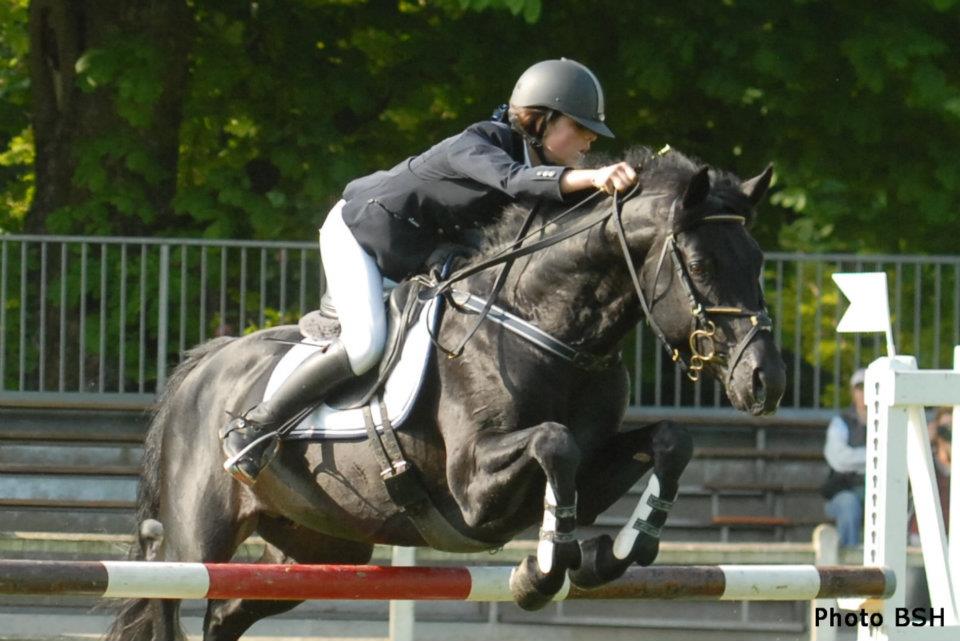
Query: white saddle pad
[[399, 394]]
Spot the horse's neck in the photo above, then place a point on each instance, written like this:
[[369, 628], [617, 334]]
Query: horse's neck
[[578, 291]]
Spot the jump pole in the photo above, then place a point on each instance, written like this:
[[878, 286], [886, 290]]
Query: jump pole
[[157, 580]]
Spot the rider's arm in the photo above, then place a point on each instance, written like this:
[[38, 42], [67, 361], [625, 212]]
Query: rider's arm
[[612, 177], [476, 155]]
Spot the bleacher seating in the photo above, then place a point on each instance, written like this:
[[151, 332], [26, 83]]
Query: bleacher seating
[[70, 471]]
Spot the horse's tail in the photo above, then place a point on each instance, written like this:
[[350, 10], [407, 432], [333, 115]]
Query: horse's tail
[[139, 619]]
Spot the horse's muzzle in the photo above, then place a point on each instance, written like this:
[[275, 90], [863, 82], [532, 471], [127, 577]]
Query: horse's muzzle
[[760, 378]]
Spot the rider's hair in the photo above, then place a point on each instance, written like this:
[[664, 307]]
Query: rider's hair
[[532, 121]]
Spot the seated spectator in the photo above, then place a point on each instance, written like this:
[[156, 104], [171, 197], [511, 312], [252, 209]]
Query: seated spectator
[[941, 436], [845, 451]]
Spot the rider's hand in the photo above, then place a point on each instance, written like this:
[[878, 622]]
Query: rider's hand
[[613, 178]]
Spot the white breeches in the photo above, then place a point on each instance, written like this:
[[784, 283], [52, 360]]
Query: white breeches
[[355, 286]]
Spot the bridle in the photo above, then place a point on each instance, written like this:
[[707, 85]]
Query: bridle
[[702, 327], [702, 336]]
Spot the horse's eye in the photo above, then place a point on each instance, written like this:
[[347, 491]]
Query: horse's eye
[[698, 268]]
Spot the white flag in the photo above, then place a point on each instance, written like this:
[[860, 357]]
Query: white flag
[[869, 309]]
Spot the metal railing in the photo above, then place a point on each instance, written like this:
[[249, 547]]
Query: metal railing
[[109, 317]]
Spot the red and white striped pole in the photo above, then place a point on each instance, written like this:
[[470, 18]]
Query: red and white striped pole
[[156, 580]]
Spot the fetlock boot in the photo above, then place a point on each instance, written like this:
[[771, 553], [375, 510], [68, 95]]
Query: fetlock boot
[[251, 441]]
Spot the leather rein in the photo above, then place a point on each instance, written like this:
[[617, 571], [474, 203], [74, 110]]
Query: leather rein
[[702, 338]]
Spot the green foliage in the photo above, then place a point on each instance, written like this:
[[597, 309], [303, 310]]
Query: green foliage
[[131, 67], [529, 9], [857, 104], [16, 141]]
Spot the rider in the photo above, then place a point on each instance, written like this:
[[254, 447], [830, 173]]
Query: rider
[[390, 223]]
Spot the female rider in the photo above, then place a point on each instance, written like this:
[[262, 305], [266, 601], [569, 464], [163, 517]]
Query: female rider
[[390, 222]]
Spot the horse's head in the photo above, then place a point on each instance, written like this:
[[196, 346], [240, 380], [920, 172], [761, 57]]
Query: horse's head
[[701, 276]]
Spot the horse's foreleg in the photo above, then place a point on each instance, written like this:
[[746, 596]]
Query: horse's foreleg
[[604, 559], [498, 462]]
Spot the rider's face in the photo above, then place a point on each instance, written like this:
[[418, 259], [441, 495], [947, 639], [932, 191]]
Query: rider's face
[[565, 142]]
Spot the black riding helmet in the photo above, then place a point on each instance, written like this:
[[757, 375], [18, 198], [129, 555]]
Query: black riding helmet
[[565, 86]]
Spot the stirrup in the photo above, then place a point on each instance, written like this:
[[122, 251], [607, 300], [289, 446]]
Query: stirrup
[[233, 464]]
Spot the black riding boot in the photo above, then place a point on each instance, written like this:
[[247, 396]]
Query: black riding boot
[[250, 442]]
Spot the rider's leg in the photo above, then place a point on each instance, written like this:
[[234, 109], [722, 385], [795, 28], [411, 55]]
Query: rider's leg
[[356, 288]]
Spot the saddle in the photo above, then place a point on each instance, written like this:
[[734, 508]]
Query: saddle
[[369, 394], [403, 308]]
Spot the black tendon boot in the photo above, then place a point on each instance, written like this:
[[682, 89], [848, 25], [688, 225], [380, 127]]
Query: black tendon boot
[[250, 442]]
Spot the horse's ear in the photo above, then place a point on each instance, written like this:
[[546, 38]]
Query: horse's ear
[[697, 189], [755, 188]]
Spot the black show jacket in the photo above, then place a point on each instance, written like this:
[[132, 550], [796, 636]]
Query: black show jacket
[[399, 216]]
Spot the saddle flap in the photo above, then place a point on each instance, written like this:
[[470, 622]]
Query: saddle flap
[[403, 307]]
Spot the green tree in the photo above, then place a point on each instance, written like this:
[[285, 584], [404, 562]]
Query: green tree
[[107, 79], [246, 119], [16, 139]]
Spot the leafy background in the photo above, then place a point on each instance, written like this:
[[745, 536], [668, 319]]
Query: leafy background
[[226, 119], [856, 103]]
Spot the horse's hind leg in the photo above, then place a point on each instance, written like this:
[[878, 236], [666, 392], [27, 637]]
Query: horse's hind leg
[[629, 456], [286, 543]]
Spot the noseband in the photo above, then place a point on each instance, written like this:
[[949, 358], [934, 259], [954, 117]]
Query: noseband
[[702, 329]]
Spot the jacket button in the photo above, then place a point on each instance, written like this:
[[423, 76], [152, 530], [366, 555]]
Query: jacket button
[[456, 227]]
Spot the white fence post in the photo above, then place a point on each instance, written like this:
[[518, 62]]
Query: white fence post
[[826, 544], [885, 500]]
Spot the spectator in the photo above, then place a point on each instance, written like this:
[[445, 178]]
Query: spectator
[[941, 436], [845, 451]]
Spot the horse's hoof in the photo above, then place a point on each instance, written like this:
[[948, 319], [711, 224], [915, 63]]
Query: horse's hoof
[[568, 554], [531, 588], [598, 565]]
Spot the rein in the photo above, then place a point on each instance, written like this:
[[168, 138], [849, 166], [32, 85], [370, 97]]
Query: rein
[[702, 327], [515, 250]]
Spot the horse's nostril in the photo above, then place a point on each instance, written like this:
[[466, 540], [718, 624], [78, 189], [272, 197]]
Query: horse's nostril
[[759, 386]]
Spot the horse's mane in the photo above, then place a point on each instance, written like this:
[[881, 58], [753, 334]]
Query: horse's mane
[[667, 171]]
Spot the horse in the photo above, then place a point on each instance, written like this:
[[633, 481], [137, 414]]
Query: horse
[[506, 436]]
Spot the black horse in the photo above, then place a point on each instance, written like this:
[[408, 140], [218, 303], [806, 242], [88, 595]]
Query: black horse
[[504, 437]]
